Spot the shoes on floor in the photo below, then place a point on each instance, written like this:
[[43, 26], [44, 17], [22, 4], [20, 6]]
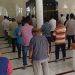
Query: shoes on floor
[[63, 59], [19, 57], [24, 67], [56, 60]]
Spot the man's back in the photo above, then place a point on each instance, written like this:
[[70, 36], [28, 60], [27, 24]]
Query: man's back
[[63, 19], [70, 27], [26, 32], [5, 24], [12, 28], [46, 29], [39, 45], [60, 34]]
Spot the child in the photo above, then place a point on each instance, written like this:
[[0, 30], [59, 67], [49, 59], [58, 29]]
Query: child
[[5, 66], [39, 52]]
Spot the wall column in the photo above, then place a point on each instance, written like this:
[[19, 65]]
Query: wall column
[[39, 13]]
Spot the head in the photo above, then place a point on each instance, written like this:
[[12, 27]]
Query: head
[[36, 31], [5, 17], [23, 20], [19, 24], [13, 19], [61, 15], [67, 17], [51, 17], [71, 16], [33, 16], [26, 20], [59, 23]]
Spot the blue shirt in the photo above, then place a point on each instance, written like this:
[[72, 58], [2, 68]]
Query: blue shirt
[[46, 29], [3, 66], [39, 46], [19, 39]]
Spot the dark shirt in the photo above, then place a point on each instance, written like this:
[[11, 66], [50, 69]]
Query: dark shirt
[[46, 29], [39, 46]]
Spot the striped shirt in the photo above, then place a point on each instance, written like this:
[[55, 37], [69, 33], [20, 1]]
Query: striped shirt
[[60, 34]]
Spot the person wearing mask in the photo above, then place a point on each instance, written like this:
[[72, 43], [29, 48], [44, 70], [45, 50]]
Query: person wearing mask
[[5, 66], [70, 25], [60, 40], [26, 34], [39, 53]]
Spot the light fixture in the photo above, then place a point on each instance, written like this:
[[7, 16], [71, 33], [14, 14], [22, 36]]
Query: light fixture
[[65, 6]]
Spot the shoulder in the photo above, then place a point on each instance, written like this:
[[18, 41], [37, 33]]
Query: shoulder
[[32, 40], [43, 37]]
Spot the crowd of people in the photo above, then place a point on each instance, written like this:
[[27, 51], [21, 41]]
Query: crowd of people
[[26, 36]]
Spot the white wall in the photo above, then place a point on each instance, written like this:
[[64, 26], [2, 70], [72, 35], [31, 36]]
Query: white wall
[[12, 8], [66, 6]]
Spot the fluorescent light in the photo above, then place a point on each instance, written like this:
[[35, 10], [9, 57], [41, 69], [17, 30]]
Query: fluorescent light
[[65, 6]]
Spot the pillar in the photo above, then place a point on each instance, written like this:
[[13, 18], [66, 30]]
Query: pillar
[[39, 13]]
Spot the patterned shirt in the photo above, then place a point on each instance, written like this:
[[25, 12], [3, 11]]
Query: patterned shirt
[[60, 34], [26, 33]]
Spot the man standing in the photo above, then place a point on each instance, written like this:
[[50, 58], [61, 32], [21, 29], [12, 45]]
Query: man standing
[[70, 25], [39, 52], [26, 34], [46, 30], [62, 19], [5, 24], [60, 40], [11, 32]]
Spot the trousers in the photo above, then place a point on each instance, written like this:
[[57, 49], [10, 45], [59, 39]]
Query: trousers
[[40, 67]]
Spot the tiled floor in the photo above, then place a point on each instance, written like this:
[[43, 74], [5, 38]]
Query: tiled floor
[[59, 68]]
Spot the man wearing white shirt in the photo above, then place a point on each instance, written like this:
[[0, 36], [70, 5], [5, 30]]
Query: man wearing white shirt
[[62, 19], [53, 26], [5, 24]]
